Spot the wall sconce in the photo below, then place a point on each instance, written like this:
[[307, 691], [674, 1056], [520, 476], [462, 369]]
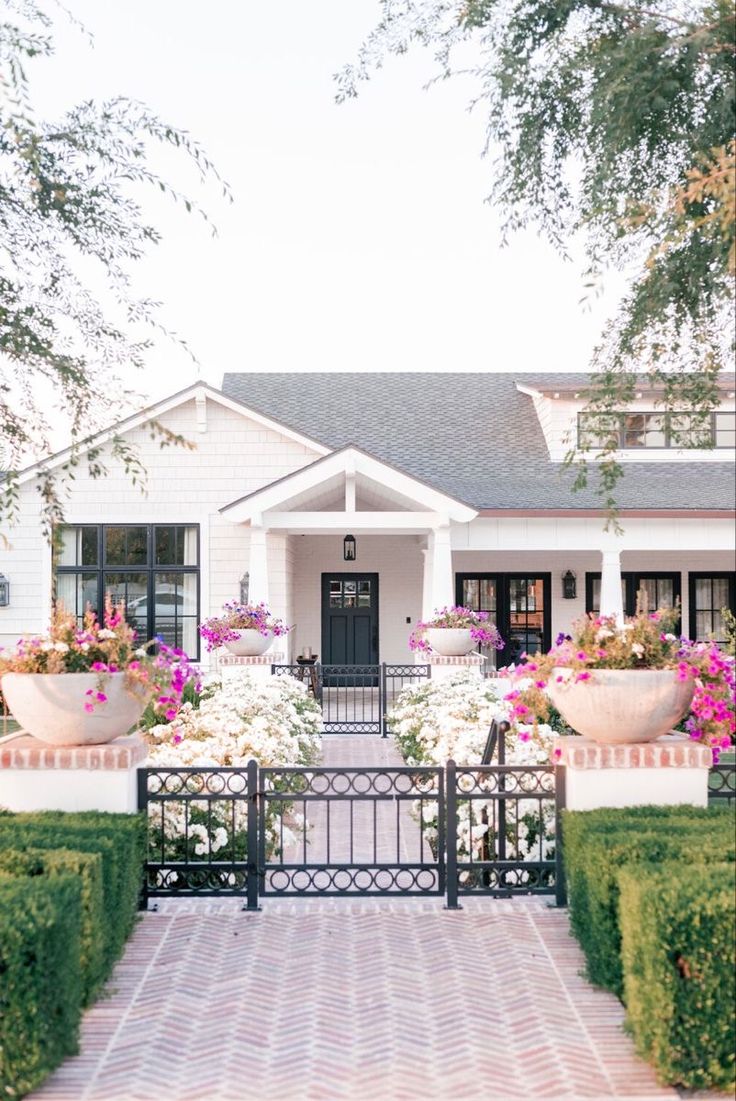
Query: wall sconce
[[4, 591], [569, 585], [348, 548], [244, 587]]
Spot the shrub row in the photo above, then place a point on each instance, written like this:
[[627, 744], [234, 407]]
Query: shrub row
[[641, 886], [678, 960], [69, 890]]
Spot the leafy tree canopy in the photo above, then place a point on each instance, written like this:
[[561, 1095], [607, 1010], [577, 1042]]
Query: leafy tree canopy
[[71, 229], [613, 121]]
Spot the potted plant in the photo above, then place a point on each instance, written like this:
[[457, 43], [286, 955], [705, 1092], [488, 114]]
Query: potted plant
[[629, 683], [88, 684], [244, 629], [454, 632]]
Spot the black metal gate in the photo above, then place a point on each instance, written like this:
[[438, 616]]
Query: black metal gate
[[353, 832], [355, 699]]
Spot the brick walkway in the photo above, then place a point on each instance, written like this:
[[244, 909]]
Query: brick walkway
[[373, 1000]]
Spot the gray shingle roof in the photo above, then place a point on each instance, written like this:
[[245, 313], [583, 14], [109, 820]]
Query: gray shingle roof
[[473, 436]]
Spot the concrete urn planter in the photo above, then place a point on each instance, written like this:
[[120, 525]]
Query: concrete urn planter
[[450, 642], [249, 643], [618, 706], [50, 706]]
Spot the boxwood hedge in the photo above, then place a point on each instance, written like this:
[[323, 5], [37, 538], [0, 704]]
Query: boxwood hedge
[[677, 948], [597, 844], [40, 979], [88, 866]]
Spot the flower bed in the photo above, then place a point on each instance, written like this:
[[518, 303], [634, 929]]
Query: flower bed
[[450, 720], [274, 722]]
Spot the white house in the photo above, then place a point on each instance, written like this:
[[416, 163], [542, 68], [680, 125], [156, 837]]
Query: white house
[[451, 485]]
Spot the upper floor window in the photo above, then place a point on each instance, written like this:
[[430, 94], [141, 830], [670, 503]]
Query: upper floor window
[[627, 431], [152, 568]]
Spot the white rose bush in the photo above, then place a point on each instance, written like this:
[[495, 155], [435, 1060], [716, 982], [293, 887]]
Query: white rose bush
[[274, 722], [439, 721]]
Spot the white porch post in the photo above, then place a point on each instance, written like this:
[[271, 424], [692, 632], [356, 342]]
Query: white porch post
[[258, 566], [427, 553], [611, 598], [443, 593]]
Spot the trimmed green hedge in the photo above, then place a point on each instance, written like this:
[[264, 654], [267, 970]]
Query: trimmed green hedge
[[88, 866], [597, 844], [120, 841], [40, 980], [677, 929]]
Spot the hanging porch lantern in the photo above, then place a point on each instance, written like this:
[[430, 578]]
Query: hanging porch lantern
[[348, 548], [569, 585], [4, 591]]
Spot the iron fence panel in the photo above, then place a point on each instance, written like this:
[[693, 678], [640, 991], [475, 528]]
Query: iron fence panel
[[352, 831]]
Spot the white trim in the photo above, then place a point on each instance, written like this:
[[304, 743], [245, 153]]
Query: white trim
[[196, 392], [346, 461], [306, 523]]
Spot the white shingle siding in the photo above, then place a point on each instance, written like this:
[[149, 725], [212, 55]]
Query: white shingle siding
[[233, 457]]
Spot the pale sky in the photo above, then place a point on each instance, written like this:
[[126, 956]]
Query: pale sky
[[359, 238]]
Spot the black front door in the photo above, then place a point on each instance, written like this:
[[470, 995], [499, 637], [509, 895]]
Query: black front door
[[349, 618]]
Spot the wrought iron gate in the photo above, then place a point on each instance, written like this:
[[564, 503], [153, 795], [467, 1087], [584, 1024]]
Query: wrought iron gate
[[263, 832], [355, 699]]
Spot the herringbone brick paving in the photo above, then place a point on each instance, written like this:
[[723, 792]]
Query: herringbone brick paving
[[367, 1000]]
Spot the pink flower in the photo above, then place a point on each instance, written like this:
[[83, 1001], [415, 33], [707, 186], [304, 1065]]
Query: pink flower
[[557, 753], [583, 676], [524, 735], [101, 697]]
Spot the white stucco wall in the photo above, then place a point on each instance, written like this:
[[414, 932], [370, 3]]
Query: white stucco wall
[[397, 559]]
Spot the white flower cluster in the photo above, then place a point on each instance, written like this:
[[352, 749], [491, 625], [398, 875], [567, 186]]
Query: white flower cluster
[[443, 720], [450, 719], [273, 721]]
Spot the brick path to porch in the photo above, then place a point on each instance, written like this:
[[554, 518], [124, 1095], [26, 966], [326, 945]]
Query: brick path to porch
[[371, 1000]]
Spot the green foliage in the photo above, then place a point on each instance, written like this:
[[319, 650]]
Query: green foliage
[[88, 867], [69, 207], [597, 844], [612, 123], [40, 981], [677, 948], [119, 839], [152, 717]]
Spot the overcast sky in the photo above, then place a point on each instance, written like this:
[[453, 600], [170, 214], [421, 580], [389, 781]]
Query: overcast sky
[[359, 238]]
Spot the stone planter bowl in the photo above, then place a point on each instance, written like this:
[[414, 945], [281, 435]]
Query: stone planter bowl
[[450, 642], [249, 643], [50, 706], [617, 706]]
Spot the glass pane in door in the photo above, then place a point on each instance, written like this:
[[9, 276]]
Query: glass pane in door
[[526, 618], [480, 595]]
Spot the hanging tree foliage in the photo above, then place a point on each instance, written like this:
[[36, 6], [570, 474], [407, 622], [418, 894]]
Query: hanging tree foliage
[[614, 122], [71, 229]]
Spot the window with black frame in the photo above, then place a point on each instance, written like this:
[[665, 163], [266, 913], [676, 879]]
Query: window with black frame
[[657, 430], [519, 606], [153, 569], [709, 594], [662, 590]]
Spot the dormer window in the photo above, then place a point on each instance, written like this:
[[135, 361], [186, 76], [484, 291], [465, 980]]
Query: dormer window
[[655, 430]]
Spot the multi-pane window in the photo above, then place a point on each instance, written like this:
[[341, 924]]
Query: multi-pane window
[[633, 431], [662, 590], [152, 568], [517, 604], [709, 595]]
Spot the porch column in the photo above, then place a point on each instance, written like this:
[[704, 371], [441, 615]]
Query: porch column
[[443, 589], [258, 566], [611, 598], [427, 553]]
